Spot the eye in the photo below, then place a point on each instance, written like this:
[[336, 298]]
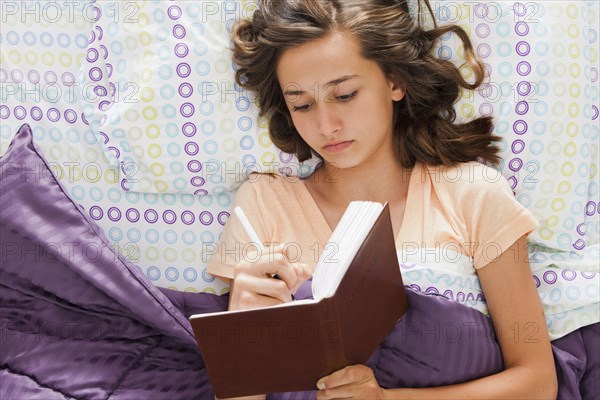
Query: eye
[[301, 108], [347, 97]]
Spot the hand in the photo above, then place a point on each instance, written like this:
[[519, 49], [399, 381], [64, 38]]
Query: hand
[[353, 382], [253, 283]]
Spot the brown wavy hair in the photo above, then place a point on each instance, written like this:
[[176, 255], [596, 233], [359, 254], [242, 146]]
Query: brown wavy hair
[[424, 120]]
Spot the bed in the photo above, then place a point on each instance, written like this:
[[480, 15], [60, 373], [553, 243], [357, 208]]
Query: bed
[[136, 125]]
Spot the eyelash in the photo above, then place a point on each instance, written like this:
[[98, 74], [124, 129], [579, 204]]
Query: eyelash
[[343, 98]]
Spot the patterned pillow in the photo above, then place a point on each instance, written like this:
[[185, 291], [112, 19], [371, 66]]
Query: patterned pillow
[[543, 92], [170, 113]]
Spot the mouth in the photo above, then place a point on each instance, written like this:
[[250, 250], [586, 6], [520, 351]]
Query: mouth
[[336, 147]]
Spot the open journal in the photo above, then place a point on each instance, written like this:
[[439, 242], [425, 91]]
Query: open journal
[[358, 298]]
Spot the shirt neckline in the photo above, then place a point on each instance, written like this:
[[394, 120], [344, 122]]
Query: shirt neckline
[[407, 219]]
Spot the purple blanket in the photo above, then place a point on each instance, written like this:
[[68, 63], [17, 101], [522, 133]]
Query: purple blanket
[[78, 321]]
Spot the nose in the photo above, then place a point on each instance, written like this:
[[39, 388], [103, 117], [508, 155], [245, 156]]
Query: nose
[[328, 121]]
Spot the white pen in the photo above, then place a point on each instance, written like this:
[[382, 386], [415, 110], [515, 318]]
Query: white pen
[[248, 228], [252, 234]]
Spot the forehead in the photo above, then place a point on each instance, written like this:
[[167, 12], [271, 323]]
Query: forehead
[[322, 60]]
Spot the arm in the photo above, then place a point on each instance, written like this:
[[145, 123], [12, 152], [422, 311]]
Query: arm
[[518, 318]]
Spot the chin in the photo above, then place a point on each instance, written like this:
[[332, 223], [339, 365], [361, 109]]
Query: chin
[[335, 163]]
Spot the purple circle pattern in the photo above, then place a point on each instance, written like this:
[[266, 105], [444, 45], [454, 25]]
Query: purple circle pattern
[[187, 109], [179, 31], [151, 216], [174, 12], [194, 166], [185, 90], [70, 116], [53, 114], [36, 113], [520, 127], [197, 181], [20, 112], [522, 107], [521, 28], [169, 217], [92, 55], [188, 217], [114, 214], [4, 111], [206, 218], [33, 76], [223, 217], [522, 48], [518, 146], [50, 77], [590, 208], [524, 88], [95, 74], [183, 70], [96, 213], [192, 148], [523, 68], [568, 275], [181, 50], [189, 129], [132, 214], [550, 277]]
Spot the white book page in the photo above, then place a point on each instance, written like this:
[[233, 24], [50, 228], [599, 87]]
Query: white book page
[[348, 237], [331, 260], [349, 244]]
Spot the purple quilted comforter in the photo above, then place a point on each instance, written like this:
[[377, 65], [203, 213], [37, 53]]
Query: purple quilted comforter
[[78, 321]]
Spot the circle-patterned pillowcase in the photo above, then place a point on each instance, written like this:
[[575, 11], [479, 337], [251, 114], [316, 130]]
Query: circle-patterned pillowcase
[[543, 92], [171, 116]]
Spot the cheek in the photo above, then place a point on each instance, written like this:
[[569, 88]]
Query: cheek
[[303, 126]]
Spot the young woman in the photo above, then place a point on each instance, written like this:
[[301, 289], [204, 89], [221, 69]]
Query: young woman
[[356, 83]]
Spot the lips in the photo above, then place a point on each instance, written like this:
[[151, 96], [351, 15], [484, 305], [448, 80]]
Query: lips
[[336, 147]]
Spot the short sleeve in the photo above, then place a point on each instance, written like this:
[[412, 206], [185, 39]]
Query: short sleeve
[[234, 242], [495, 219]]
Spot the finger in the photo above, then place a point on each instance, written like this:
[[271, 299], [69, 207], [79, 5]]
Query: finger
[[247, 293], [283, 269], [303, 273], [268, 287], [268, 262], [257, 301], [354, 382], [345, 376], [350, 391]]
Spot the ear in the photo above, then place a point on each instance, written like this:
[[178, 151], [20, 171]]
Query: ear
[[397, 90]]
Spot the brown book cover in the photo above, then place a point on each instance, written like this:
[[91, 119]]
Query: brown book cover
[[290, 347]]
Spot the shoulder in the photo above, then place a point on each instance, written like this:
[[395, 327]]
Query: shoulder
[[271, 187], [469, 180]]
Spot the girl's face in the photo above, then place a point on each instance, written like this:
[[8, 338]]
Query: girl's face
[[340, 102]]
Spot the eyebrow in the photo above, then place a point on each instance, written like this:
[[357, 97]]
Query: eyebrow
[[334, 82]]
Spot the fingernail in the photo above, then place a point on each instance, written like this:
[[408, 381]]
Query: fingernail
[[321, 385]]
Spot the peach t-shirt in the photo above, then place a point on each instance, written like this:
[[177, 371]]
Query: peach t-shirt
[[467, 210]]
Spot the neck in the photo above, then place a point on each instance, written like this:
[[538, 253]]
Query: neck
[[381, 180]]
